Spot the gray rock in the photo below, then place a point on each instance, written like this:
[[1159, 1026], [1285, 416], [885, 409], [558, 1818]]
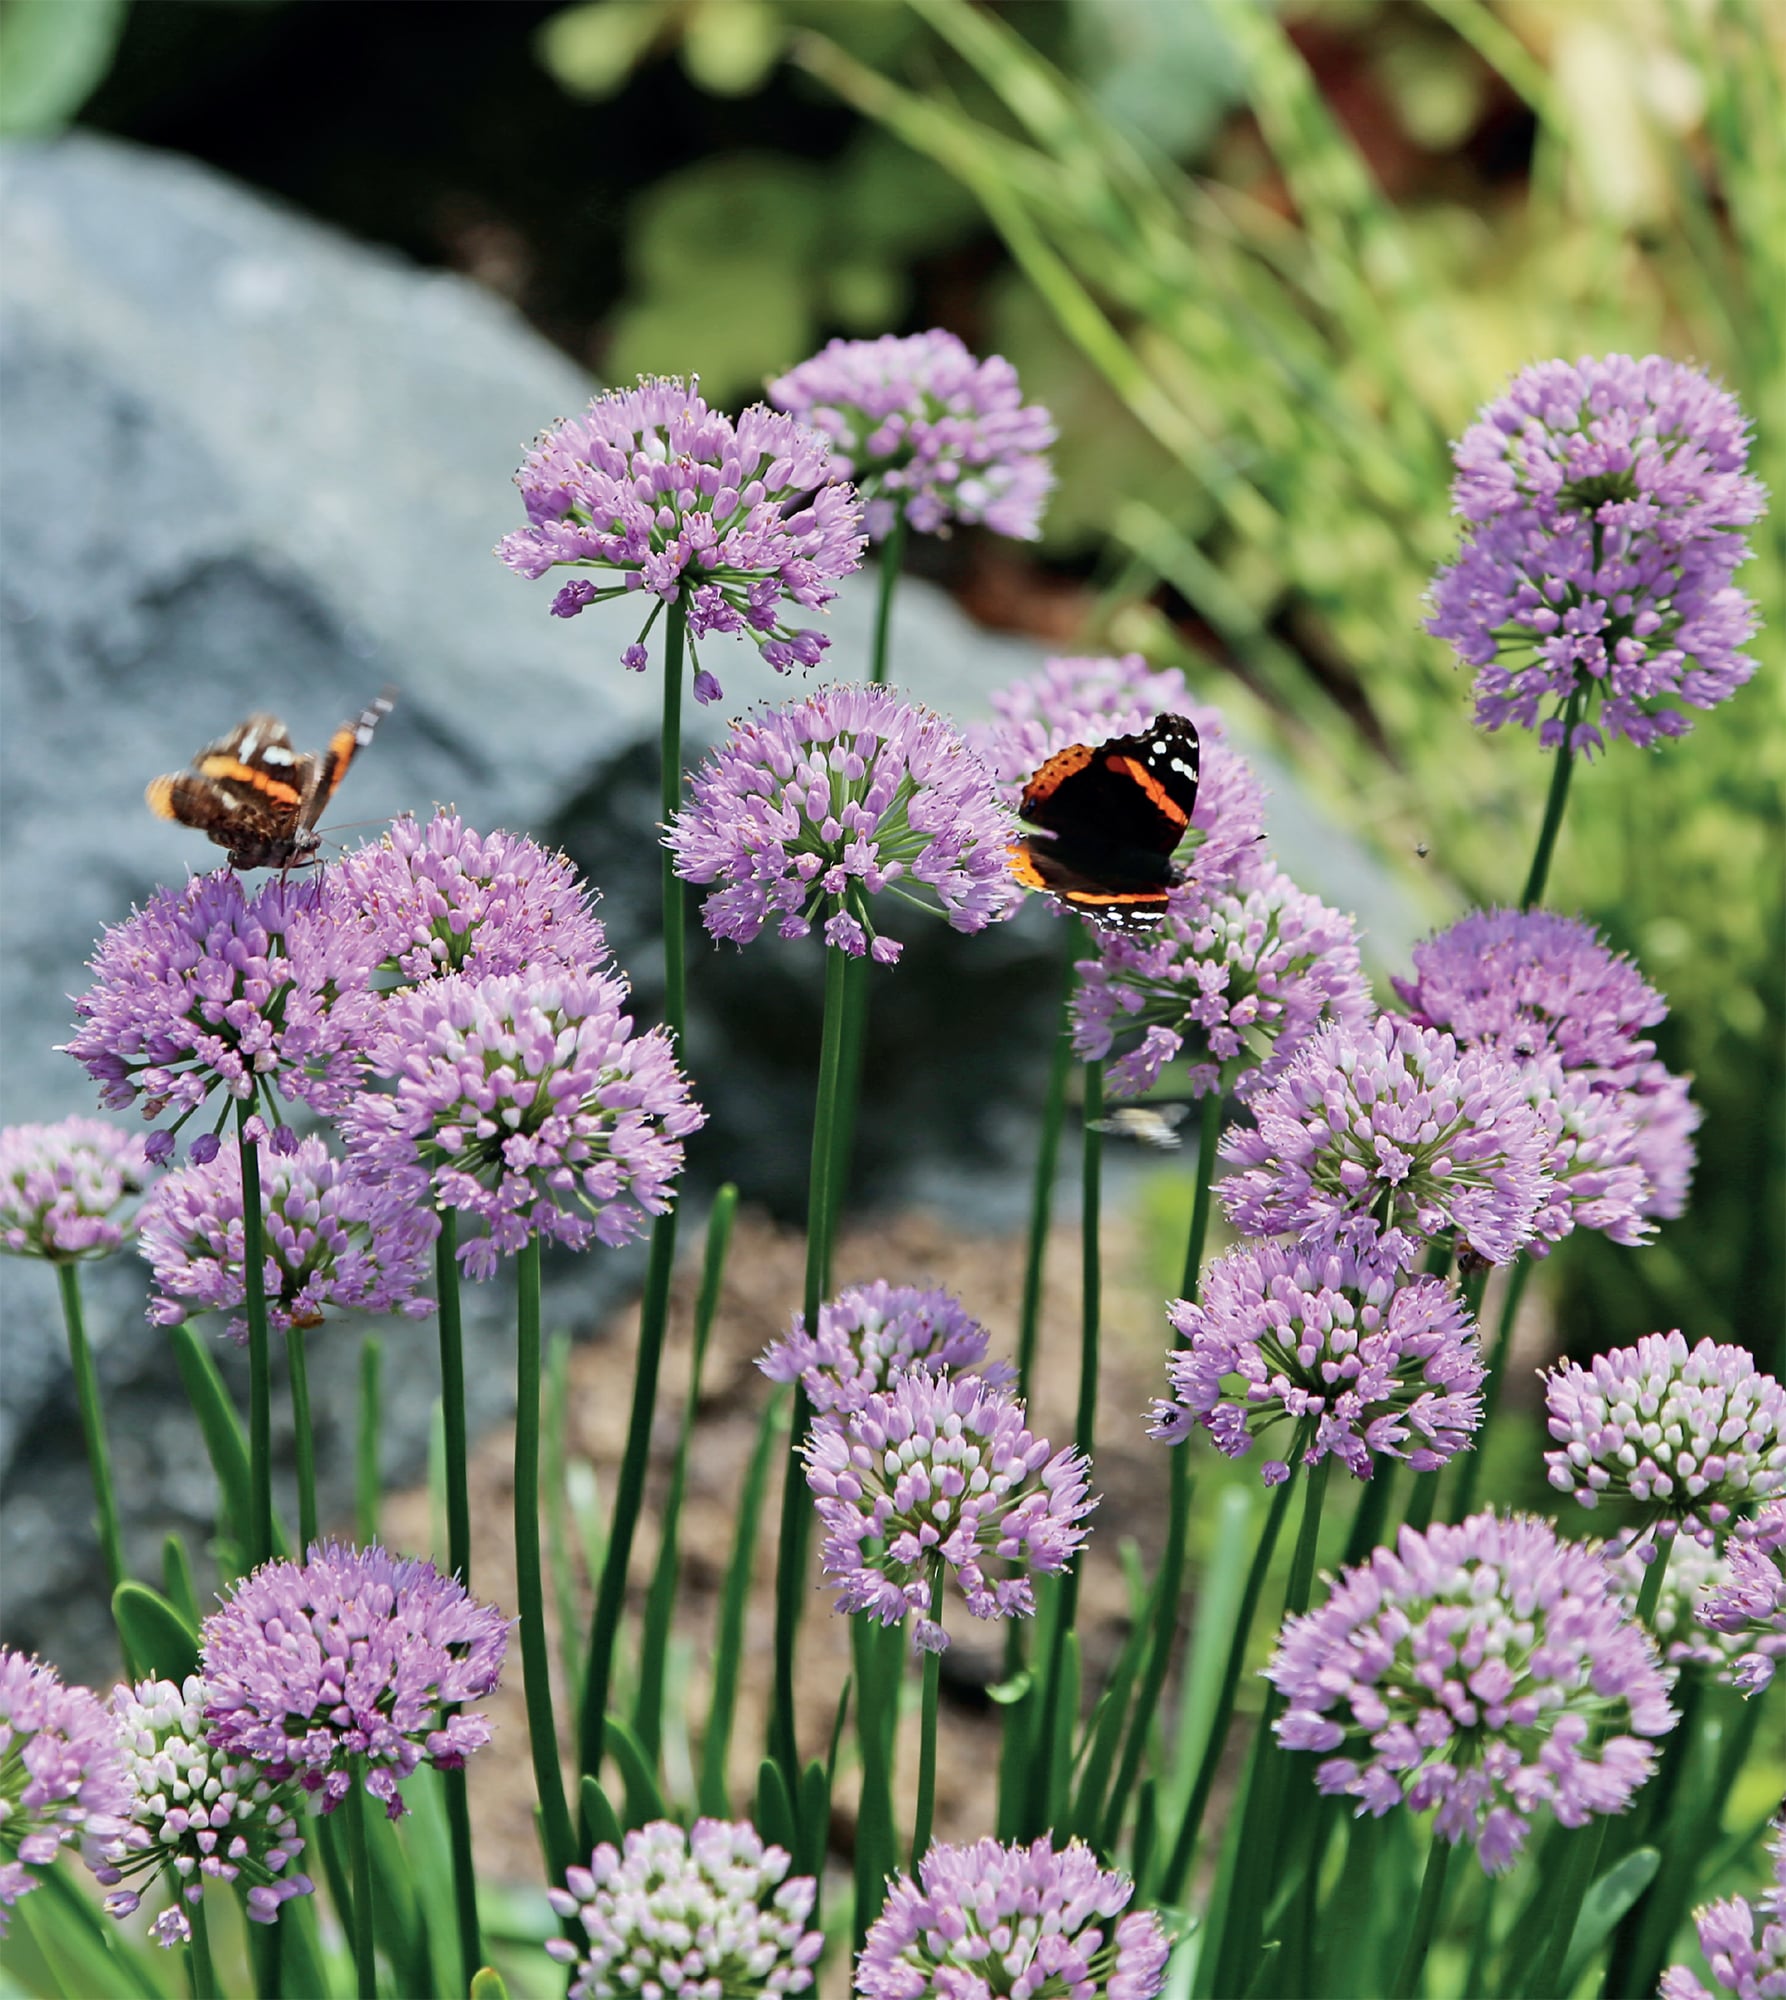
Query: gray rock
[[250, 463]]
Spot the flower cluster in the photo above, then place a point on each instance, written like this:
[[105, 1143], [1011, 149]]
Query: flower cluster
[[443, 898], [526, 1102], [935, 1475], [734, 521], [352, 1658], [986, 1919], [712, 1910], [1485, 1669], [1693, 1436], [870, 1333], [1383, 1138], [1605, 501], [1234, 981], [1748, 1608], [260, 994], [1751, 1967], [927, 432], [196, 1814], [64, 1189], [1355, 1356], [62, 1774], [1547, 993], [1090, 700], [817, 806], [331, 1240]]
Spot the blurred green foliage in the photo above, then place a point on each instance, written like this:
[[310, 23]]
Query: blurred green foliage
[[1293, 352], [53, 53]]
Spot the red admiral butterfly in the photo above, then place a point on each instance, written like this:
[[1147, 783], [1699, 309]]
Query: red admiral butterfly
[[1115, 811], [257, 796]]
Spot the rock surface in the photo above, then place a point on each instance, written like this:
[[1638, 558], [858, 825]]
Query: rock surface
[[251, 464]]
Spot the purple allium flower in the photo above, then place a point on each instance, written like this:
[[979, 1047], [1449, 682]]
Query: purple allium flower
[[443, 898], [926, 430], [331, 1240], [1751, 1967], [1233, 980], [62, 1774], [1748, 1605], [810, 809], [1375, 1361], [198, 1814], [1385, 1137], [870, 1333], [1089, 700], [709, 1911], [934, 1474], [670, 497], [351, 1655], [985, 1919], [1547, 993], [527, 1102], [64, 1189], [1605, 503], [1596, 1177], [258, 993], [1691, 1435], [1485, 1669]]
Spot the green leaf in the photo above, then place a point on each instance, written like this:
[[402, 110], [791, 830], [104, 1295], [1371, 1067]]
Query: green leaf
[[600, 1821], [487, 1984], [161, 1641], [176, 1580], [1007, 1694], [730, 48], [225, 1445], [643, 1799], [591, 51], [53, 55], [815, 1820], [1605, 1903], [728, 1646], [775, 1810]]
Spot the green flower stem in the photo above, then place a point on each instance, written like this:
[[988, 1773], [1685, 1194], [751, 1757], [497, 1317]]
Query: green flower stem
[[260, 1377], [1649, 1592], [1469, 1473], [365, 1457], [458, 1512], [199, 1967], [1184, 1846], [99, 1460], [654, 1306], [1178, 1508], [1580, 1866], [1554, 804], [1426, 1918], [1054, 1111], [892, 555], [530, 1597], [796, 1500], [365, 1928], [304, 1437], [1091, 1288], [933, 1673]]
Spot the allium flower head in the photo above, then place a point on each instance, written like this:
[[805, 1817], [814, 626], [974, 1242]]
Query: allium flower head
[[1234, 981], [1666, 1119], [1605, 503], [1090, 700], [351, 1654], [332, 1241], [686, 1915], [62, 1774], [1692, 1436], [737, 521], [1376, 1362], [442, 898], [811, 809], [1381, 1139], [66, 1189], [987, 1919], [1750, 1966], [935, 1475], [1747, 1607], [870, 1333], [1693, 1572], [197, 1814], [927, 431], [260, 994], [1486, 1669], [1593, 1166], [526, 1102]]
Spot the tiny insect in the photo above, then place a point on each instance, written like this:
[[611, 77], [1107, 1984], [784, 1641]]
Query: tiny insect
[[253, 794], [1421, 850], [1149, 1124]]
